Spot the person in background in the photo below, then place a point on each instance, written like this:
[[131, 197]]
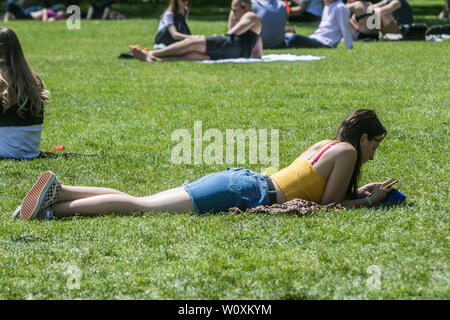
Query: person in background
[[334, 26], [273, 17], [22, 99], [306, 11], [360, 28], [100, 10], [241, 41], [16, 11], [173, 26], [394, 13], [445, 14]]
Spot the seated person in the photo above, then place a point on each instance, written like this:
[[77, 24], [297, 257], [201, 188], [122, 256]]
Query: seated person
[[243, 40], [273, 17], [306, 11], [333, 27], [100, 10], [394, 13], [173, 26], [360, 26], [22, 100]]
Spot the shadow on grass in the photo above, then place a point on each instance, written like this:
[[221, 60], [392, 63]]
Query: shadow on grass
[[404, 204], [54, 155], [65, 155]]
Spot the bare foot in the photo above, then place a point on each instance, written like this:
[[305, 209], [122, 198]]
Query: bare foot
[[140, 54], [152, 57]]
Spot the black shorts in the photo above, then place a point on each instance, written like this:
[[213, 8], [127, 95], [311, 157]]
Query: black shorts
[[223, 47]]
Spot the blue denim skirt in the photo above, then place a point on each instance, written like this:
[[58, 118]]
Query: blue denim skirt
[[234, 187]]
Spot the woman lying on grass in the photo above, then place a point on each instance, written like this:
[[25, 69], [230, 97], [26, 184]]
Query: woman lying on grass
[[22, 100], [326, 172]]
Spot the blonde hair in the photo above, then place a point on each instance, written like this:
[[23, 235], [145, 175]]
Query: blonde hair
[[19, 84]]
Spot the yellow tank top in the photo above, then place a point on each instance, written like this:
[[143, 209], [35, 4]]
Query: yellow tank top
[[301, 180]]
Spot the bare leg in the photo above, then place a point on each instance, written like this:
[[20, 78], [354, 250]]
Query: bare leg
[[389, 25], [90, 13], [446, 12], [194, 56], [7, 17], [106, 13], [174, 200], [69, 193], [296, 11], [194, 44]]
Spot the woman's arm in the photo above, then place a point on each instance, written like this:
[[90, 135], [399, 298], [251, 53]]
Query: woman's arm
[[378, 194], [340, 176], [44, 15], [343, 17], [302, 6], [367, 189], [339, 179], [175, 34], [379, 4], [391, 7], [231, 21]]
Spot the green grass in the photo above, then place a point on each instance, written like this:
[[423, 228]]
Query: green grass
[[116, 118]]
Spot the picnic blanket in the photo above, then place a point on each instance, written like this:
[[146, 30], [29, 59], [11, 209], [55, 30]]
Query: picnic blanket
[[267, 58]]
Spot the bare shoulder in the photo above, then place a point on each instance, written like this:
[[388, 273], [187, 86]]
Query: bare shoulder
[[345, 151], [251, 16], [254, 21]]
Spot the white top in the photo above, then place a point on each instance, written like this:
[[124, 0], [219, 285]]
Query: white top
[[334, 25], [166, 20], [20, 142]]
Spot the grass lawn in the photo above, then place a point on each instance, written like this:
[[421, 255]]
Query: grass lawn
[[116, 118]]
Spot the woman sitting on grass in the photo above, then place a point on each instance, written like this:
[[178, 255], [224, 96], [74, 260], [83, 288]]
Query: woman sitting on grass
[[393, 13], [173, 26], [326, 172], [22, 100], [360, 28], [241, 41]]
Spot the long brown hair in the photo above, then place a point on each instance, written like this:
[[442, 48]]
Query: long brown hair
[[175, 7], [19, 84], [352, 128]]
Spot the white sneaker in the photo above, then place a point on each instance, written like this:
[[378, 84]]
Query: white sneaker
[[46, 214], [159, 46], [16, 214]]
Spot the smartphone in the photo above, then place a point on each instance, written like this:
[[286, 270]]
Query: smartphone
[[389, 183]]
